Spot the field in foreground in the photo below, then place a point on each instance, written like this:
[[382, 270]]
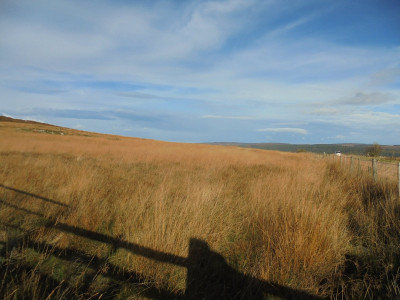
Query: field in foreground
[[85, 215]]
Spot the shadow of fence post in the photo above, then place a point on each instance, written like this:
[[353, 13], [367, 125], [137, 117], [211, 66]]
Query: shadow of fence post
[[209, 276]]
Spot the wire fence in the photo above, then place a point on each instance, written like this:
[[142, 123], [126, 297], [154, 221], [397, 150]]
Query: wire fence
[[377, 168]]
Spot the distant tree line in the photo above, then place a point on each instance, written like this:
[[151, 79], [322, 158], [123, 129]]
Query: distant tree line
[[347, 149]]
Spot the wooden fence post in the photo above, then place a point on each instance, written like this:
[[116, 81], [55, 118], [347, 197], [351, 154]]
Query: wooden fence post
[[351, 164], [374, 169], [398, 177]]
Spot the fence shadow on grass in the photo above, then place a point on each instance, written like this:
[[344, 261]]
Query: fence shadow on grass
[[33, 195], [208, 274], [102, 266]]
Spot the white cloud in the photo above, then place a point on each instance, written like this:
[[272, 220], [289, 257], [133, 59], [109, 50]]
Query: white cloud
[[326, 111], [385, 76], [229, 117], [157, 45], [362, 98], [386, 121], [367, 120], [288, 130], [290, 26]]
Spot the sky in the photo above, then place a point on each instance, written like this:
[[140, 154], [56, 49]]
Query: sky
[[206, 71]]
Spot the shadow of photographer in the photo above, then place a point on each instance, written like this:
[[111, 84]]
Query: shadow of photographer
[[209, 276]]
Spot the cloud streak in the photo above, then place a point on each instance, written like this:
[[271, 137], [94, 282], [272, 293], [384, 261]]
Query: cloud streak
[[361, 98], [284, 130], [228, 117]]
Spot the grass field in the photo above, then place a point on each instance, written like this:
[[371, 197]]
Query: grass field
[[85, 215]]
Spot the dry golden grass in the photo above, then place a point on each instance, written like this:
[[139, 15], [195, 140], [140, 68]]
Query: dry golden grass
[[291, 219]]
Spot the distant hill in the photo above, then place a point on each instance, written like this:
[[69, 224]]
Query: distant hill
[[9, 119], [348, 148], [356, 149]]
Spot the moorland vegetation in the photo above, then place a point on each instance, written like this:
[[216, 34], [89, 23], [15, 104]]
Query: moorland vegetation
[[85, 215]]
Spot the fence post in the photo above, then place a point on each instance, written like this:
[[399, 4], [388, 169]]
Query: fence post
[[374, 169], [398, 176], [351, 164]]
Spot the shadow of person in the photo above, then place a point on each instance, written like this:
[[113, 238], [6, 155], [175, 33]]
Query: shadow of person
[[210, 277], [208, 274]]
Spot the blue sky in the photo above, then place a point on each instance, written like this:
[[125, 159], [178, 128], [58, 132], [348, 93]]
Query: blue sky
[[204, 71]]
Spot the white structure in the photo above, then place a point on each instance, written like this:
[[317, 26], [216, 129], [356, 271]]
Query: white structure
[[338, 153]]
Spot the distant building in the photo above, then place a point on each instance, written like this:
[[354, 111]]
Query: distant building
[[338, 153]]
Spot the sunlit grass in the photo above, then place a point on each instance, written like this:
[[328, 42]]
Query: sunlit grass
[[291, 219]]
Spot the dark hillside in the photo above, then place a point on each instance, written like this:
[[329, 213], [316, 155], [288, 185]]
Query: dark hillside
[[349, 149]]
